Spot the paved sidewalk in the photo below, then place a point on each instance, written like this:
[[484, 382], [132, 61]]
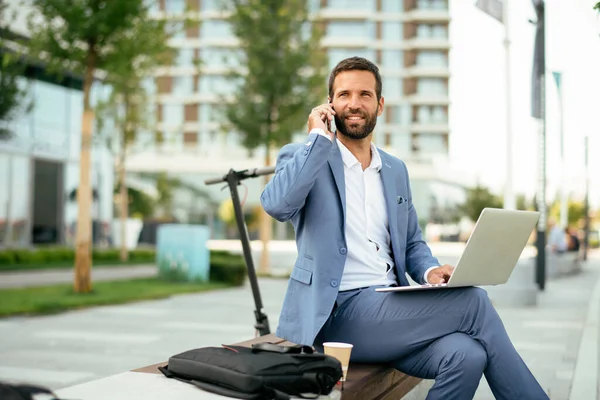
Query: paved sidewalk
[[558, 338], [19, 279], [549, 335]]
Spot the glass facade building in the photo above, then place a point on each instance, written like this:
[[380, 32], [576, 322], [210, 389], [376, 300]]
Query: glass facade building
[[39, 165]]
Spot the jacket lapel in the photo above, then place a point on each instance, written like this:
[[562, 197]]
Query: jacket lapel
[[389, 192], [337, 168]]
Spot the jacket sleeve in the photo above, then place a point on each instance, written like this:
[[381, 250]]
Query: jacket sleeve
[[295, 174], [418, 253]]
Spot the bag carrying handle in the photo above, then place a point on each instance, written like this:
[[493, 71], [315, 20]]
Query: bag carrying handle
[[275, 348]]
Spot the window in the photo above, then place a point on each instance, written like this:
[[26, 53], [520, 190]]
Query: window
[[314, 5], [75, 109], [210, 5], [220, 57], [337, 55], [392, 88], [432, 86], [20, 193], [439, 31], [432, 59], [424, 31], [175, 6], [423, 115], [391, 58], [216, 29], [392, 114], [183, 85], [217, 84], [185, 58], [172, 114], [152, 5], [439, 114], [392, 31], [365, 5], [394, 6], [348, 29], [5, 161], [149, 85], [432, 143], [176, 29], [432, 4]]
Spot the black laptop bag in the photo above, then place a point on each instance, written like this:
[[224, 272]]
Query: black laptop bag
[[264, 372]]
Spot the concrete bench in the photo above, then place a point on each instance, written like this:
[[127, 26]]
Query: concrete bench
[[562, 264], [520, 290], [364, 381]]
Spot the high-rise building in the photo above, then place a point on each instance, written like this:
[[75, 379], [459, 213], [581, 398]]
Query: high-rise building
[[407, 39]]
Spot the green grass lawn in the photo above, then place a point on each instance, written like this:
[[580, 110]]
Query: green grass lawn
[[69, 265], [57, 298]]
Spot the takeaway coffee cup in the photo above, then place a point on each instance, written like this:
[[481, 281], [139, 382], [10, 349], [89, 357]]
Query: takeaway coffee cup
[[341, 351]]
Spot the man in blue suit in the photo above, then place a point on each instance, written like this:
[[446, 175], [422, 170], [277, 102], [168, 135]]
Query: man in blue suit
[[356, 230]]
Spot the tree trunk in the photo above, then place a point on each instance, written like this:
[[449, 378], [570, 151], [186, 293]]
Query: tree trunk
[[124, 210], [123, 193], [265, 227], [83, 241]]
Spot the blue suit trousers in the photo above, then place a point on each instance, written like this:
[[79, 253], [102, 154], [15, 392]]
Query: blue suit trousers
[[451, 335]]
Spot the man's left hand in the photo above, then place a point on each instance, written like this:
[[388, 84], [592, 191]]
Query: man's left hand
[[440, 274]]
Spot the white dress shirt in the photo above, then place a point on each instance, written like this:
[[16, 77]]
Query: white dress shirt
[[369, 261]]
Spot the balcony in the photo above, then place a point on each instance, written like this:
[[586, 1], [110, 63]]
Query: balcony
[[418, 71], [346, 42], [344, 14], [426, 99], [418, 43], [419, 15], [427, 127]]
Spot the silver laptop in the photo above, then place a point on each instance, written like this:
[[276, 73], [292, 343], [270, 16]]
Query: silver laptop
[[491, 252]]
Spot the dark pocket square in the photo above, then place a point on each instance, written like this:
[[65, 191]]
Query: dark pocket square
[[401, 200]]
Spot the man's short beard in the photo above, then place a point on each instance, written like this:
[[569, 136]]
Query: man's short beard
[[358, 132]]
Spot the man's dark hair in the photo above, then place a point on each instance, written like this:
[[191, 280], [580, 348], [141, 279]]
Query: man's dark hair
[[356, 64]]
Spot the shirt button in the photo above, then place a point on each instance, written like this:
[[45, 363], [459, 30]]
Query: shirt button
[[343, 250], [305, 152], [333, 283]]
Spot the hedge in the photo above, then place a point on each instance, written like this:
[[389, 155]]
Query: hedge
[[224, 266]]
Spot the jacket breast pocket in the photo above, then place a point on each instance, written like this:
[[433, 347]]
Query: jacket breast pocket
[[301, 275]]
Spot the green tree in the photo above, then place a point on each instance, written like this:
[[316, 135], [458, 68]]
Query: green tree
[[127, 110], [575, 211], [166, 186], [84, 36], [597, 6], [479, 198], [281, 77], [523, 204], [12, 97]]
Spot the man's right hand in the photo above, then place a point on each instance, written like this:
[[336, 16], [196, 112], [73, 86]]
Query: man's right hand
[[321, 117]]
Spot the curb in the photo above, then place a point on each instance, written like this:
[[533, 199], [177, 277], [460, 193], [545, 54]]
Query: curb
[[585, 377]]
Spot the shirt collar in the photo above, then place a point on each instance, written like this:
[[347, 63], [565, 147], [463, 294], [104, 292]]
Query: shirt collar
[[350, 161]]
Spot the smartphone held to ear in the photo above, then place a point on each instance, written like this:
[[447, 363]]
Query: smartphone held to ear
[[330, 123]]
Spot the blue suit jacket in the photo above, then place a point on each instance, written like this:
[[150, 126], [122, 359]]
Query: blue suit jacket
[[308, 189]]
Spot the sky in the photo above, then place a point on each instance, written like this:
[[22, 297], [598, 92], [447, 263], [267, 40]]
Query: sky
[[478, 95]]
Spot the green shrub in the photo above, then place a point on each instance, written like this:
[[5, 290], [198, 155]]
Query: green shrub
[[172, 272], [146, 255], [7, 258], [23, 256], [227, 268], [62, 255], [106, 255]]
